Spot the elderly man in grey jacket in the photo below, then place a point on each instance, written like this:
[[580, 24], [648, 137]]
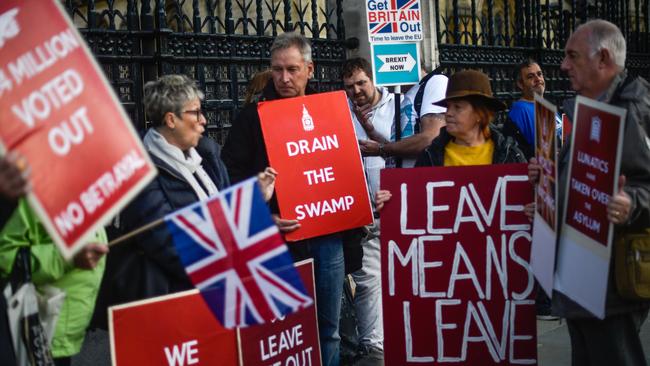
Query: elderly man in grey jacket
[[594, 61]]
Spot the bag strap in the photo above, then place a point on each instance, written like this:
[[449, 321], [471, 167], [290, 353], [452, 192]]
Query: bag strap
[[22, 269], [417, 101]]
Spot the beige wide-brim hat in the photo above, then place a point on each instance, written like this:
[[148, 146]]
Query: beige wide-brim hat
[[471, 83]]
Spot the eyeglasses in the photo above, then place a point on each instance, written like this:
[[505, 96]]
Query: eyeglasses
[[197, 112]]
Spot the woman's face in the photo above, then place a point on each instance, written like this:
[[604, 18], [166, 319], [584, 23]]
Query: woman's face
[[189, 126], [461, 118]]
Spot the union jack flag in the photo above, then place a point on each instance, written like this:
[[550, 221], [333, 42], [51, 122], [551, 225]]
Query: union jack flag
[[391, 26], [233, 253]]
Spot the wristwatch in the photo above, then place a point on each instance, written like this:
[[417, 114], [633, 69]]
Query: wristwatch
[[382, 152]]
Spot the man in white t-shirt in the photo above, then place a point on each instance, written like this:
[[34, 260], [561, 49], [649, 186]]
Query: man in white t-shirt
[[421, 120], [373, 111], [418, 128]]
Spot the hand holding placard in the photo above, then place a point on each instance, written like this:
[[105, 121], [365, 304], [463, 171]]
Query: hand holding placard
[[618, 209], [286, 225], [14, 176], [85, 158]]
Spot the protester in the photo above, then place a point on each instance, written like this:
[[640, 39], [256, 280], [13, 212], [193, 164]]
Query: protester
[[245, 154], [595, 63], [420, 123], [373, 114], [469, 138], [520, 124], [79, 280], [189, 169], [13, 184], [421, 119]]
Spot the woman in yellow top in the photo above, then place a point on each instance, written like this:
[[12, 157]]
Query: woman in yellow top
[[469, 138]]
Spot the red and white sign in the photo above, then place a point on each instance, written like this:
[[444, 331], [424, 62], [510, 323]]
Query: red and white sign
[[178, 329], [61, 114], [394, 20], [289, 341], [586, 235], [456, 282], [310, 141], [594, 169], [545, 221]]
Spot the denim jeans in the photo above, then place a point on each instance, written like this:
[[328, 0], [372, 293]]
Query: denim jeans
[[329, 273], [367, 296]]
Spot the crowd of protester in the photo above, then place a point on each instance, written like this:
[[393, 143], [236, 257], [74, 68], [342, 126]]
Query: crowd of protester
[[444, 121]]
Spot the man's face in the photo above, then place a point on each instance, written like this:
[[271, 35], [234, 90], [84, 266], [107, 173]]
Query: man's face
[[359, 88], [531, 81], [580, 65], [290, 72]]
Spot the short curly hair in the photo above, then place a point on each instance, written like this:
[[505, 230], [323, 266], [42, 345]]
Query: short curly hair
[[168, 94], [352, 65]]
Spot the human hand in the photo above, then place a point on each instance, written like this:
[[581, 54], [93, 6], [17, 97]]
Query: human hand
[[266, 180], [529, 210], [534, 171], [382, 196], [285, 225], [364, 115], [89, 256], [618, 208], [14, 176], [369, 147]]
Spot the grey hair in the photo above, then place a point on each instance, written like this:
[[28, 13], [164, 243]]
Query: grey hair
[[292, 39], [606, 35], [168, 94]]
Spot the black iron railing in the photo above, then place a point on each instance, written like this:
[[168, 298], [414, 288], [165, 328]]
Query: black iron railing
[[496, 35], [219, 43]]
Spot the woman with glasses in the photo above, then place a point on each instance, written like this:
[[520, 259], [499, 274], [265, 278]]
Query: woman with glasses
[[189, 169]]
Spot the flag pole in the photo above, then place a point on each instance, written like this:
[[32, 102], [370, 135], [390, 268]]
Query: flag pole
[[135, 232]]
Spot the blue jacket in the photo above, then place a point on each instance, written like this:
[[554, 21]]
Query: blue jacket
[[148, 265]]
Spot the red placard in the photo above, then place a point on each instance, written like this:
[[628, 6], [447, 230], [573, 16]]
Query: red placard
[[61, 114], [310, 141], [546, 153], [546, 214], [593, 171], [289, 341], [178, 329], [456, 283]]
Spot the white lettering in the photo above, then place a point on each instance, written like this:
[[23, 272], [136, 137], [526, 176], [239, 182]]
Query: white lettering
[[411, 256], [179, 355], [403, 214], [322, 143], [320, 208], [70, 218], [56, 93], [431, 208]]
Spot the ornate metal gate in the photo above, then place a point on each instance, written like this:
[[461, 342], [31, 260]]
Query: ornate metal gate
[[495, 35], [219, 43]]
